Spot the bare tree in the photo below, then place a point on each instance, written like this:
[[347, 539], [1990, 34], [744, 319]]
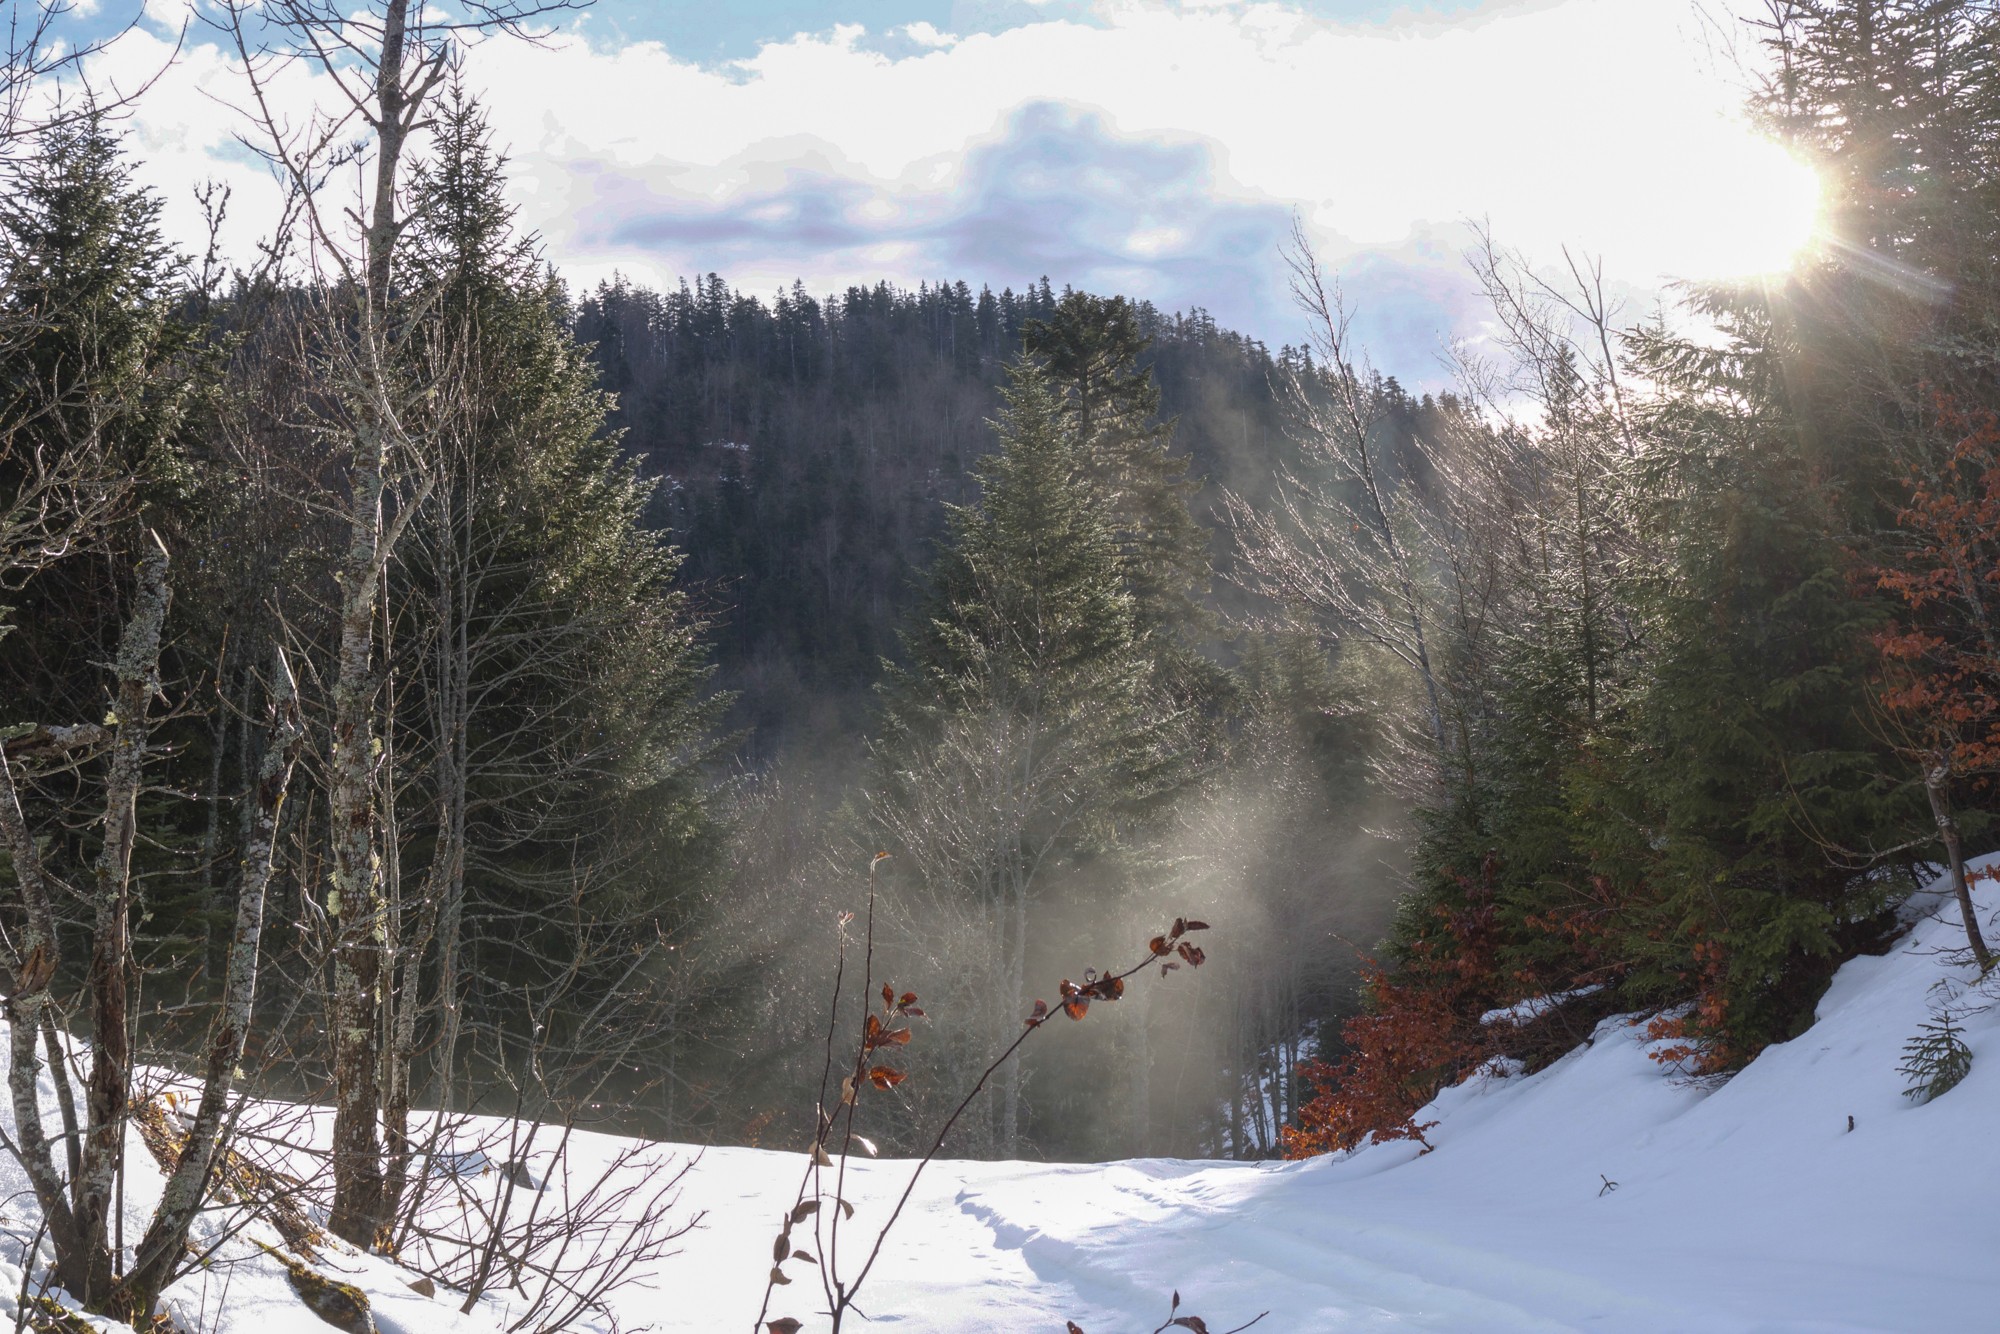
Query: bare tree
[[384, 62]]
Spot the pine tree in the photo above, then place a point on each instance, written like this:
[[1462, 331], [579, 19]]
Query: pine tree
[[552, 710], [1022, 739]]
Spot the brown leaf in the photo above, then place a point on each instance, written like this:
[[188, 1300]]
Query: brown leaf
[[895, 1037], [1192, 953], [780, 1246], [1193, 1322], [1075, 1006], [907, 998], [778, 1275], [1041, 1012], [1197, 926], [882, 1077], [804, 1255], [910, 1011], [782, 1325], [1158, 945], [1180, 927], [804, 1209], [888, 996], [1071, 1327]]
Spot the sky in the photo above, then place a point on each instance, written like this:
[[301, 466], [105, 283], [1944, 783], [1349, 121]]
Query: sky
[[1157, 148]]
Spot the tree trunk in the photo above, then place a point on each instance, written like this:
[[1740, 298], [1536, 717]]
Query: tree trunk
[[108, 1093], [354, 901], [1935, 777], [161, 1249], [34, 967]]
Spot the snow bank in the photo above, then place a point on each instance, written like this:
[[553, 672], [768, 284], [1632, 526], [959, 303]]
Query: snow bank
[[1749, 1207], [1599, 1194]]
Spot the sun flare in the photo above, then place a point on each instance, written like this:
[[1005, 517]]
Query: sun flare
[[1736, 206]]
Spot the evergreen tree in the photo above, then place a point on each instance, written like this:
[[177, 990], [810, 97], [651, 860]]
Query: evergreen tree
[[553, 715], [1022, 741]]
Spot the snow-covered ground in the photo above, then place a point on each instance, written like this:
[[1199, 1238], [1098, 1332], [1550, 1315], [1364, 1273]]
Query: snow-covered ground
[[1598, 1194]]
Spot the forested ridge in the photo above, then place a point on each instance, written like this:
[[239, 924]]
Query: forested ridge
[[806, 448], [431, 689]]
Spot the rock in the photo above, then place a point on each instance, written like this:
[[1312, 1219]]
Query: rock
[[423, 1287]]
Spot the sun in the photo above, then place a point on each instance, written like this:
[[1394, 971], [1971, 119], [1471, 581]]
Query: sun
[[1733, 205]]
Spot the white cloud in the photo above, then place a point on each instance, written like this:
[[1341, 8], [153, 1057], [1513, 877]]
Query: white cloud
[[1591, 122], [925, 34]]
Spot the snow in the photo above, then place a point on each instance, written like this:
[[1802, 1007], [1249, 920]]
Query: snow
[[1602, 1193], [1533, 1008]]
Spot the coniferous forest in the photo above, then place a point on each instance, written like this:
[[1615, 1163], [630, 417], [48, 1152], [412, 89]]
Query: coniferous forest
[[434, 686]]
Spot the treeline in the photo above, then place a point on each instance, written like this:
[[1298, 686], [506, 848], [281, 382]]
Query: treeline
[[1699, 640], [806, 449]]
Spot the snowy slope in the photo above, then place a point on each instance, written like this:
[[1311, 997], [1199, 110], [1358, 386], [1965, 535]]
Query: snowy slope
[[1747, 1208], [1750, 1207]]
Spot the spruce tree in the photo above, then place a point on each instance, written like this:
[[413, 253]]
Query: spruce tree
[[1022, 740], [553, 714]]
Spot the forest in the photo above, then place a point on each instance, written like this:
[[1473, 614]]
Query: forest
[[435, 688]]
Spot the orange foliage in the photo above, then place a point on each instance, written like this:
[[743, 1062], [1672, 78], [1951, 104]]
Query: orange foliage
[[1399, 1055], [1945, 676], [1420, 1033]]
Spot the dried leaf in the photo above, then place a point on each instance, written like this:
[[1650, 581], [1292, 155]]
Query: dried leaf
[[888, 996], [908, 998], [895, 1037], [819, 1157], [804, 1209], [778, 1275], [1076, 1006], [846, 1089], [882, 1077], [1158, 945], [1197, 926], [867, 1147], [780, 1246], [1193, 1322], [1180, 927], [911, 1011], [845, 1207], [782, 1325], [1041, 1012], [804, 1255], [1071, 1327], [1192, 953]]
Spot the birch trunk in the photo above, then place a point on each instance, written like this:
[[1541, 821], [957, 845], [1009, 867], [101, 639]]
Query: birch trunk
[[108, 1093], [159, 1252]]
